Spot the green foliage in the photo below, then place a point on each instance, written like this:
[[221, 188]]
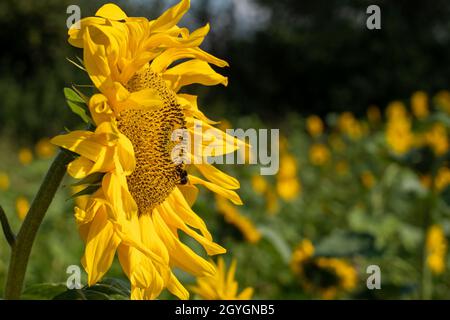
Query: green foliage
[[77, 104], [108, 289]]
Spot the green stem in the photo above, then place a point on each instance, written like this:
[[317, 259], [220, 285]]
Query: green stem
[[20, 250], [9, 235]]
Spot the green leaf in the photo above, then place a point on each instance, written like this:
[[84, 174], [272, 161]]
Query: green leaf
[[92, 179], [80, 66], [82, 96], [113, 286], [86, 191], [107, 289], [346, 244], [79, 110], [446, 195], [277, 241], [71, 95], [76, 102], [82, 294], [43, 291]]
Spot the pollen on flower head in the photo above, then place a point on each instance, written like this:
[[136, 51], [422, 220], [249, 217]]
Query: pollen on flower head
[[156, 174]]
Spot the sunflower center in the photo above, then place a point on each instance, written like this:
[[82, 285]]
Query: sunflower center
[[150, 132]]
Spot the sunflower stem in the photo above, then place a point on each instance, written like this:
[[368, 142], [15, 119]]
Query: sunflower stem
[[21, 248], [9, 235]]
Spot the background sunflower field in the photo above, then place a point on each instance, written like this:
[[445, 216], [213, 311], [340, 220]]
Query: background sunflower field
[[364, 119]]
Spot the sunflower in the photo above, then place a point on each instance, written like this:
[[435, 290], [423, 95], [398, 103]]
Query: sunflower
[[436, 245], [222, 285], [139, 197], [4, 181], [288, 184], [325, 276], [232, 215]]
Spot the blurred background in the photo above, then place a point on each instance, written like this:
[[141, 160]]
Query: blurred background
[[364, 117]]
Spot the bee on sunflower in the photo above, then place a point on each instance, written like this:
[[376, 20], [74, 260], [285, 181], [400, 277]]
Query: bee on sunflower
[[140, 198]]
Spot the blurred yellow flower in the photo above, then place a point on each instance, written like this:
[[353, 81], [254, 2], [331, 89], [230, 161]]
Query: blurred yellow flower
[[272, 202], [221, 285], [367, 179], [373, 114], [436, 245], [442, 100], [425, 181], [345, 272], [336, 142], [341, 167], [234, 217], [314, 125], [262, 187], [22, 207], [25, 156], [396, 109], [419, 104], [399, 136], [350, 126], [437, 139], [345, 120], [44, 148], [288, 189], [323, 275], [303, 252], [288, 167], [259, 184], [288, 185], [319, 154], [4, 181], [442, 179], [283, 144]]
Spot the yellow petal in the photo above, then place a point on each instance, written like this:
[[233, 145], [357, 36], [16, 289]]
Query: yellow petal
[[125, 153], [218, 177], [171, 217], [181, 255], [111, 11], [168, 40], [193, 71], [100, 247], [146, 99], [177, 289], [231, 195], [189, 192], [76, 35], [95, 60], [246, 294], [79, 142], [80, 168], [189, 103], [116, 192], [187, 214], [100, 109], [165, 59], [170, 17]]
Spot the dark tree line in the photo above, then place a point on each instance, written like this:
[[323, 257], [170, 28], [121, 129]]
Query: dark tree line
[[309, 57]]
